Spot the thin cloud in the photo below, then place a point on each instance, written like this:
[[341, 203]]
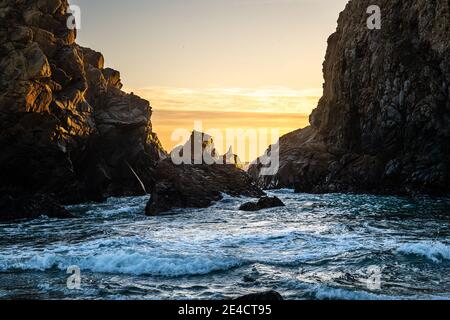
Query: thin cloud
[[263, 100]]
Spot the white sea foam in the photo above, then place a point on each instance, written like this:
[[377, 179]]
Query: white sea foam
[[322, 292], [139, 264], [122, 262], [432, 250], [328, 293], [131, 255]]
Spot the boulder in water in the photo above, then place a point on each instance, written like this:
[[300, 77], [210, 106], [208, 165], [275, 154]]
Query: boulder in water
[[263, 203]]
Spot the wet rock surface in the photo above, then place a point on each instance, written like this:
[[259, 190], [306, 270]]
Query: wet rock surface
[[383, 123], [263, 203]]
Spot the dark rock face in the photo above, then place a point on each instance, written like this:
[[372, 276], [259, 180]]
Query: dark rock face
[[383, 123], [262, 296], [31, 207], [197, 185], [263, 203], [66, 128]]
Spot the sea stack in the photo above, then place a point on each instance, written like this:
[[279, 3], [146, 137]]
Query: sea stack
[[197, 183]]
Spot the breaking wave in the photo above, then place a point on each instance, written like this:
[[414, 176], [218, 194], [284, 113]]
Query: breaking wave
[[124, 263], [317, 247], [434, 251]]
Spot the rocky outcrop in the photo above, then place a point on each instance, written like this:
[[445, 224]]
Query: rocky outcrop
[[66, 128], [197, 186], [263, 203], [231, 158], [197, 183], [383, 123]]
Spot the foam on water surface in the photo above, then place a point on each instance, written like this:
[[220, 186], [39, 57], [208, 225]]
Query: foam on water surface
[[317, 247]]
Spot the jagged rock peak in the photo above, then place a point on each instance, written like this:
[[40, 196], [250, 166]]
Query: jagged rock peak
[[200, 149]]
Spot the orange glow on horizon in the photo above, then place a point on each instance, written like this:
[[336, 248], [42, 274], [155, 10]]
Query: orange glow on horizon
[[273, 109], [165, 122]]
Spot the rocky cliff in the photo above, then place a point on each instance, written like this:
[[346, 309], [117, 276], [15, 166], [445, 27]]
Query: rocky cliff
[[66, 128], [383, 123]]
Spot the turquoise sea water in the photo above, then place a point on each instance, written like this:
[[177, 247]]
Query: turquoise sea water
[[317, 247]]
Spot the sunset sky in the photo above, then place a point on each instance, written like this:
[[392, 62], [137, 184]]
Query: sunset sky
[[230, 63]]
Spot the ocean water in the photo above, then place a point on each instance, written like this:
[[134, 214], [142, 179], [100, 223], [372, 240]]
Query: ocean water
[[317, 247]]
